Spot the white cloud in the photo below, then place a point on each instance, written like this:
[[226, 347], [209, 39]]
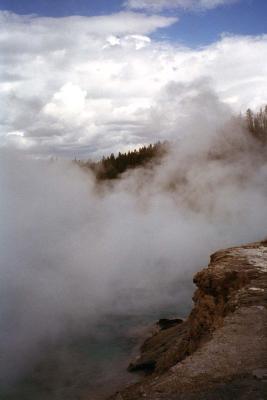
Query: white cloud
[[160, 5], [77, 87], [69, 101]]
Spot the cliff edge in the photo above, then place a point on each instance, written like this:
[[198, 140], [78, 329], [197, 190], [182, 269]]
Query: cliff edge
[[220, 350]]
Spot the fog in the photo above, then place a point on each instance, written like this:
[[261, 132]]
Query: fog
[[74, 253]]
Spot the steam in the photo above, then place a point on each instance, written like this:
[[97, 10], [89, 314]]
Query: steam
[[72, 254]]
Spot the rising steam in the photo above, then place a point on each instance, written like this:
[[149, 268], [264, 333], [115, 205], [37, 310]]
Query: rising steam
[[71, 253]]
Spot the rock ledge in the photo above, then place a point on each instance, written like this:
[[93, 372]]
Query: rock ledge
[[220, 350]]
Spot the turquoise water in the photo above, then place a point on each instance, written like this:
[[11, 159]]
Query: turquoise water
[[78, 367], [89, 365]]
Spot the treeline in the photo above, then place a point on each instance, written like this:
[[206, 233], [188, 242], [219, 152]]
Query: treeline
[[112, 166], [257, 124]]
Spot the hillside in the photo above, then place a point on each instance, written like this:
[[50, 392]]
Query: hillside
[[220, 350]]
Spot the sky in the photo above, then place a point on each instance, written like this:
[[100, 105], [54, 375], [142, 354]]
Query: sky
[[86, 78]]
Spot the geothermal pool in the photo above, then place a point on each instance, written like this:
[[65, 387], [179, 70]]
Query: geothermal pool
[[89, 365]]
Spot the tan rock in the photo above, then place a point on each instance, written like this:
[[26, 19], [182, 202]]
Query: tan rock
[[223, 342]]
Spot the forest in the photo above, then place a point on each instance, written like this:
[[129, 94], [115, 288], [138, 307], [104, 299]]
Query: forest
[[111, 167]]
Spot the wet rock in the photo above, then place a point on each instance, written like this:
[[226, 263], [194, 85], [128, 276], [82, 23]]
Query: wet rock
[[142, 365], [165, 323]]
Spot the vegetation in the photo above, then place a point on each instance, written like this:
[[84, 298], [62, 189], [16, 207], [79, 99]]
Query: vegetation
[[111, 167], [257, 124]]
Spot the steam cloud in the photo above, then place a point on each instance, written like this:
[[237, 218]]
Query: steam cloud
[[72, 253]]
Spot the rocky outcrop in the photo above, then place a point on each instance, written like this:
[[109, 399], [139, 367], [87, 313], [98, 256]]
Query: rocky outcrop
[[222, 346]]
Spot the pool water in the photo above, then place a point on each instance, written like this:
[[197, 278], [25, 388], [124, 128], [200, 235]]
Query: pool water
[[90, 365]]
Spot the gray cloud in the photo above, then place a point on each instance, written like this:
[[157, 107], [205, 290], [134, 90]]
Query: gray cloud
[[85, 81]]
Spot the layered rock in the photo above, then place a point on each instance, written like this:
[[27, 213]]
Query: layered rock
[[222, 346]]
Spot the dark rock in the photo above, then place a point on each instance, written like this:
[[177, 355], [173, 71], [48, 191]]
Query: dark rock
[[165, 323], [142, 365]]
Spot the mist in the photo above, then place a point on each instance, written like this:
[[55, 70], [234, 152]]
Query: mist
[[74, 254]]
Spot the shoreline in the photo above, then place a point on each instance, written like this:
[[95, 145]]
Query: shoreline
[[222, 345]]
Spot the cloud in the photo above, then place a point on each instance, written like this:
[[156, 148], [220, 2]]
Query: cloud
[[84, 86], [119, 23], [160, 5]]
